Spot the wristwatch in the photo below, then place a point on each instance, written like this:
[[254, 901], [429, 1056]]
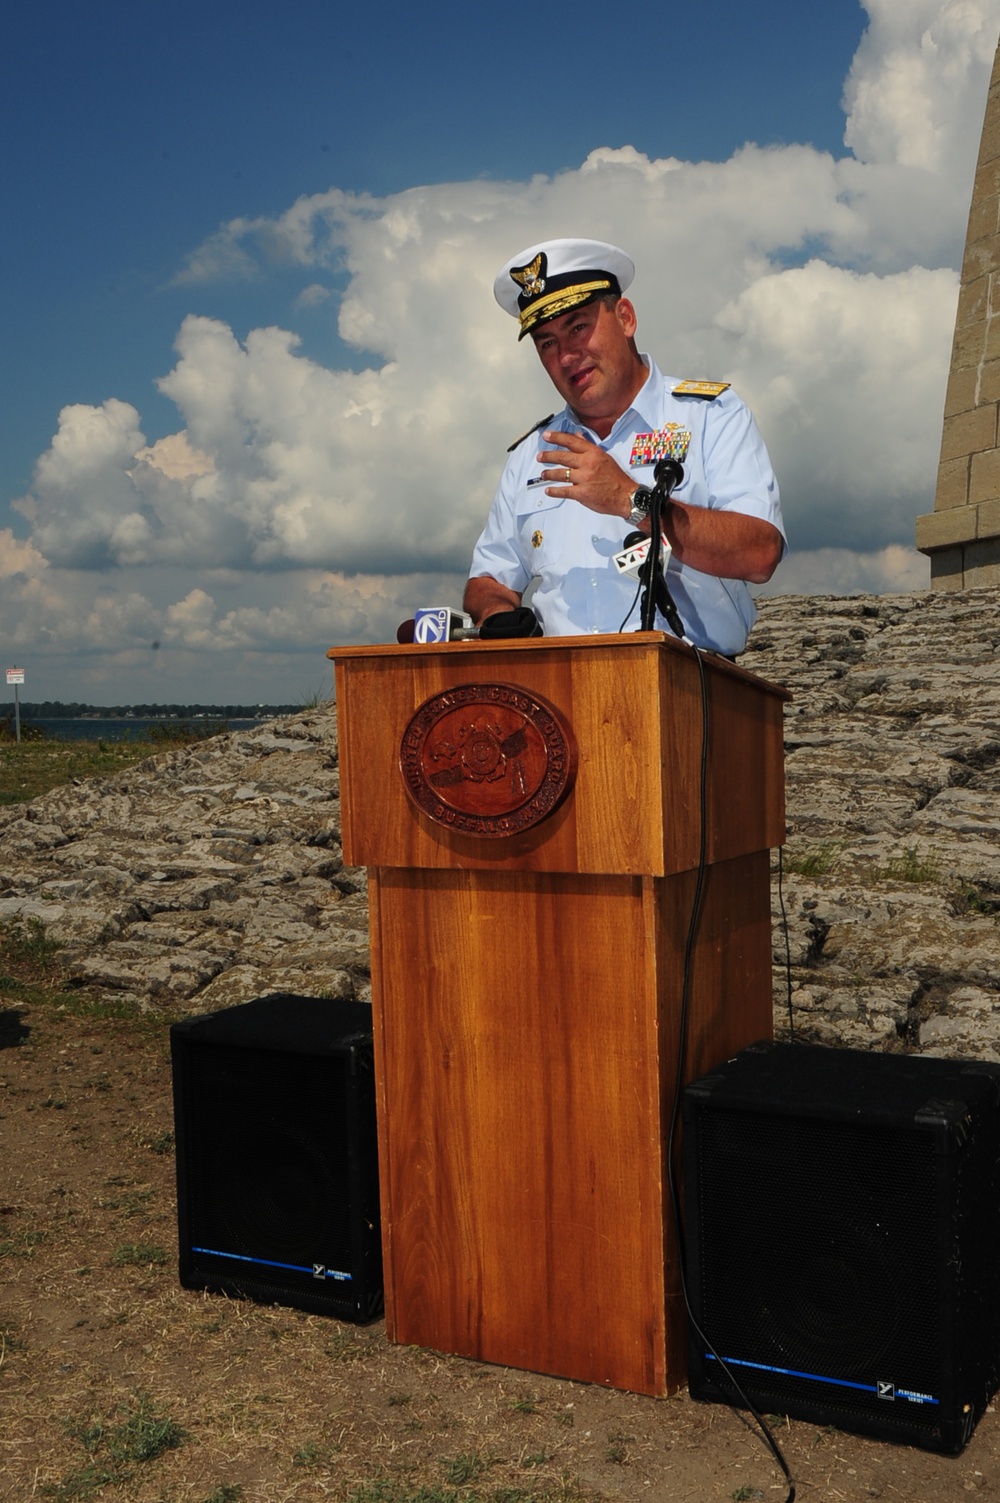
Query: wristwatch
[[639, 503]]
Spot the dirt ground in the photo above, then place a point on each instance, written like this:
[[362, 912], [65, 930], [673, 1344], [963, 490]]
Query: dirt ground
[[117, 1383]]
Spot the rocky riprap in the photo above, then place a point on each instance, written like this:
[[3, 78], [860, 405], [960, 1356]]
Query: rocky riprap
[[201, 877], [892, 867], [211, 874]]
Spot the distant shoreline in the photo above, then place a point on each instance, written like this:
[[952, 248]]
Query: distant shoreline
[[57, 710]]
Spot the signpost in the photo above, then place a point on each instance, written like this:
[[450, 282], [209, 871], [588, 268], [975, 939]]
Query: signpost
[[15, 676]]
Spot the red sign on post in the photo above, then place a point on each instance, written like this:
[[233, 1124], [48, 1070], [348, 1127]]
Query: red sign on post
[[15, 675]]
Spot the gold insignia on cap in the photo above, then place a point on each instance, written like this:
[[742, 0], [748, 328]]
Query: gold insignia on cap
[[529, 277], [536, 539], [560, 301], [710, 389]]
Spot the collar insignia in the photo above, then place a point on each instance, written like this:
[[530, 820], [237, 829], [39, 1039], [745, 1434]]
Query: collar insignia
[[532, 276], [669, 442]]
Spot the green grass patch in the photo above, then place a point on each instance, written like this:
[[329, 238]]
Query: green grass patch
[[80, 1485], [20, 1244], [24, 942], [160, 1143], [464, 1468], [37, 763], [816, 861], [104, 1007], [313, 1453], [391, 1490], [131, 1202], [911, 866], [348, 1346], [32, 975], [139, 1255], [970, 897], [35, 767], [115, 1448]]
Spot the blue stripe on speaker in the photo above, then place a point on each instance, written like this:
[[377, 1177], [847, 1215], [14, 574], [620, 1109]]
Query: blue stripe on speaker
[[328, 1273], [791, 1372]]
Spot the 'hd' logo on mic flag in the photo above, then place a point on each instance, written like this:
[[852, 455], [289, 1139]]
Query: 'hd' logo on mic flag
[[432, 624]]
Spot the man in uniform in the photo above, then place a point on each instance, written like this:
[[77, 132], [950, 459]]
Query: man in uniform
[[567, 499]]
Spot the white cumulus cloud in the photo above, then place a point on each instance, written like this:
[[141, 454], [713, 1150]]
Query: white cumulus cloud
[[299, 503]]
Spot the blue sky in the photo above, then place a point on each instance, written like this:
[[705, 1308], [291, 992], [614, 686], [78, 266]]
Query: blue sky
[[180, 177], [139, 126]]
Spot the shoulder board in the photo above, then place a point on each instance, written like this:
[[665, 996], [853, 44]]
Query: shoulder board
[[528, 432], [707, 389]]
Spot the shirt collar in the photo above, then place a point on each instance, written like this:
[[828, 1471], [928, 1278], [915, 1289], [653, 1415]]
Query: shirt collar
[[642, 416]]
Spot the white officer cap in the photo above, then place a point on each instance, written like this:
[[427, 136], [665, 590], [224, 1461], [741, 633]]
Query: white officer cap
[[550, 278]]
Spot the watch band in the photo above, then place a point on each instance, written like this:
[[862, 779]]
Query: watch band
[[639, 504]]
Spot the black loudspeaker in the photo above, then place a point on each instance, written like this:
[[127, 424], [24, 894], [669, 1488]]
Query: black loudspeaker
[[842, 1238], [277, 1168]]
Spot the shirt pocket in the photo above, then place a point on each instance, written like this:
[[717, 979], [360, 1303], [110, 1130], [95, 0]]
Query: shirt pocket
[[541, 530]]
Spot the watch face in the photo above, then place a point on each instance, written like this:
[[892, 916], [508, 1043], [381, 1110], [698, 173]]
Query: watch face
[[639, 500]]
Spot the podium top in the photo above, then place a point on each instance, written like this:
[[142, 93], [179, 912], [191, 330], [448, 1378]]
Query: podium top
[[620, 641]]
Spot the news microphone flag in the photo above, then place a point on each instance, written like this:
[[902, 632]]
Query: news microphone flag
[[631, 558], [436, 623]]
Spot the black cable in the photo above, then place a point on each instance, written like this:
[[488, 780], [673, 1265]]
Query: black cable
[[788, 947], [765, 1432], [631, 607], [651, 567]]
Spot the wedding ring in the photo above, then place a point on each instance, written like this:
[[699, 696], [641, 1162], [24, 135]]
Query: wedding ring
[[569, 478]]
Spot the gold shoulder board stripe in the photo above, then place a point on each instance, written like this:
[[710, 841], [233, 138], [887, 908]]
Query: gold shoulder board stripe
[[529, 431], [710, 389]]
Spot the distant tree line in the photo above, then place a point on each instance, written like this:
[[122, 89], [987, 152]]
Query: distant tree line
[[57, 709]]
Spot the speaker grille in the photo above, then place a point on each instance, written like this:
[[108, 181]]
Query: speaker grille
[[264, 1182], [277, 1161], [833, 1229], [842, 1235]]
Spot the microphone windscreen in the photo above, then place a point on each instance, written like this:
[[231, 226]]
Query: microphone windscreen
[[669, 472], [404, 631], [521, 622]]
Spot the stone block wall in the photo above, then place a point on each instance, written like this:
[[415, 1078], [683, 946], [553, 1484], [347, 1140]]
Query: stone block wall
[[962, 534]]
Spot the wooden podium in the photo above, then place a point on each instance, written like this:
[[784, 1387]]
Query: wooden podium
[[527, 985]]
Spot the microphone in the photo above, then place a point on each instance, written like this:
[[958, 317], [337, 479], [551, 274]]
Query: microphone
[[520, 622], [436, 623], [668, 474], [633, 562]]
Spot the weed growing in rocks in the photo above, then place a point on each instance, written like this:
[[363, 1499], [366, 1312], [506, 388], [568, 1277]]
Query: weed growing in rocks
[[912, 866], [817, 861]]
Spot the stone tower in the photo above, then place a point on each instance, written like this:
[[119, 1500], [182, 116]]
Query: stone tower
[[962, 533]]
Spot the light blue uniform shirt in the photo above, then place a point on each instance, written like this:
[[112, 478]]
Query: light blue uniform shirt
[[568, 549]]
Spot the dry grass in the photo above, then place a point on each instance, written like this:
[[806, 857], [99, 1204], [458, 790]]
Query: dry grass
[[117, 1384]]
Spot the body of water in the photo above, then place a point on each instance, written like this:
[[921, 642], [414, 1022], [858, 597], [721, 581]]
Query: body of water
[[82, 728]]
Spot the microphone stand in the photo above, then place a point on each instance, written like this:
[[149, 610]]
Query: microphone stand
[[655, 594]]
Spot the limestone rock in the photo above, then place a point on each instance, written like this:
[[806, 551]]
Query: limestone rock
[[892, 867], [212, 874], [200, 878]]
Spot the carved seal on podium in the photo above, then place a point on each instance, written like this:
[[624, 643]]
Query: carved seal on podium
[[487, 759]]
